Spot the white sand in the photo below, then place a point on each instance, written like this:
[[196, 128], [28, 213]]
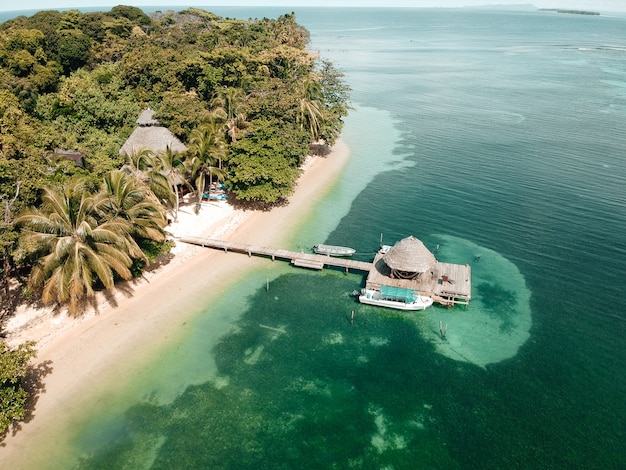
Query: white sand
[[124, 329]]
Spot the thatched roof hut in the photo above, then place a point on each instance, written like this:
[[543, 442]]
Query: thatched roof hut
[[409, 258], [146, 118], [150, 135], [73, 155]]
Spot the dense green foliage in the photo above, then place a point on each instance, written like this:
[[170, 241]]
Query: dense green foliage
[[13, 368]]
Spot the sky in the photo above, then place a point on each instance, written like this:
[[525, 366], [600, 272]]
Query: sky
[[593, 5]]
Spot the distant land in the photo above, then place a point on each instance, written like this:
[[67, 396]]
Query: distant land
[[571, 12]]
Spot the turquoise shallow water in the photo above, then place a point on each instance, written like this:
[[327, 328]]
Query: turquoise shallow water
[[492, 134]]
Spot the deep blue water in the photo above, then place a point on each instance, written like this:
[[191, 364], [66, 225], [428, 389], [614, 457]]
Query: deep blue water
[[491, 133]]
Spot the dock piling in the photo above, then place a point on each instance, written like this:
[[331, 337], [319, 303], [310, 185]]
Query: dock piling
[[442, 331]]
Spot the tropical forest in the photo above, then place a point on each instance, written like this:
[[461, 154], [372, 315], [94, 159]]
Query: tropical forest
[[248, 98]]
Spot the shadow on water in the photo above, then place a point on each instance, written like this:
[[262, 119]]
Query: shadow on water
[[499, 303]]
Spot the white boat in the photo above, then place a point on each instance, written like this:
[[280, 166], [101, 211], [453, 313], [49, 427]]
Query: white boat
[[384, 249], [395, 297], [333, 250]]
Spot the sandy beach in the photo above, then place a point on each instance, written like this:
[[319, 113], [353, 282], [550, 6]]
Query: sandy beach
[[124, 329]]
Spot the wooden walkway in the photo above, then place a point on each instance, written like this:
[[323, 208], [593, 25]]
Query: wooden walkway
[[447, 284], [297, 258]]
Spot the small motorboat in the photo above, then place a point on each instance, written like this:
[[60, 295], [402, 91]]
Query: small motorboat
[[333, 250]]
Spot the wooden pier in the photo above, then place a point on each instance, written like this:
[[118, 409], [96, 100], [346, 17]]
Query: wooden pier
[[297, 258], [447, 284]]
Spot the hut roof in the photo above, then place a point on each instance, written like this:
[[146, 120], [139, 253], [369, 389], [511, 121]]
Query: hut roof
[[151, 136], [409, 255], [146, 118], [72, 155]]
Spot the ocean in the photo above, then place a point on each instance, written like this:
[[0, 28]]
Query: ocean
[[497, 138]]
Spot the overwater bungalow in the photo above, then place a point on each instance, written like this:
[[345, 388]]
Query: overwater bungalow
[[410, 265]]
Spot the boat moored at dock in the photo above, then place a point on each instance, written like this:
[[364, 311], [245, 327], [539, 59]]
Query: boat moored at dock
[[333, 250], [395, 297]]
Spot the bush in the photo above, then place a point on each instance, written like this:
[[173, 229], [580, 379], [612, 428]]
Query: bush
[[13, 368]]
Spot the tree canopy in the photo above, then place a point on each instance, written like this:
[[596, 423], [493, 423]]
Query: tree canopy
[[78, 81]]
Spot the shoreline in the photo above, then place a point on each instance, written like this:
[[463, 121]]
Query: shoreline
[[120, 337]]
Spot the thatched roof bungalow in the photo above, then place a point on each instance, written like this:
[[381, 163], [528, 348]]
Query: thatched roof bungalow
[[150, 135], [72, 155], [409, 259]]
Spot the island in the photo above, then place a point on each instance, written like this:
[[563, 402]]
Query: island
[[572, 12]]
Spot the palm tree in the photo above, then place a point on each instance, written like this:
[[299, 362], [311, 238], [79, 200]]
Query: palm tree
[[137, 162], [170, 166], [228, 107], [145, 167], [156, 179], [206, 150], [134, 210], [311, 109], [75, 248]]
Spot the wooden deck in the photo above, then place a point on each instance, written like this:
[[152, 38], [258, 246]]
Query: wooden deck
[[447, 284], [297, 258]]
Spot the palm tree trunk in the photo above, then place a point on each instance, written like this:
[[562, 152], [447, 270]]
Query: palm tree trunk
[[6, 277], [177, 202]]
